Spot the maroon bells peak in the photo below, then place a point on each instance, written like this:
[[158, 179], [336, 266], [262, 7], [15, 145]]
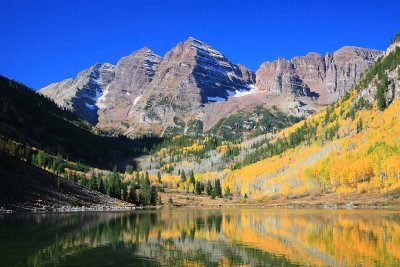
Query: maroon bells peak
[[194, 86]]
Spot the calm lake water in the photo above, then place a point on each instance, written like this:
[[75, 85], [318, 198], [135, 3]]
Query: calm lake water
[[203, 237]]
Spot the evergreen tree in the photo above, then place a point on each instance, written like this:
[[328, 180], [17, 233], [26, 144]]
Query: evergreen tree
[[145, 192], [42, 159], [131, 194], [101, 186], [198, 188], [359, 125], [382, 88], [170, 201], [123, 194], [114, 184], [153, 196], [191, 178], [217, 188], [209, 188], [56, 165], [213, 194], [183, 176], [93, 181], [228, 192]]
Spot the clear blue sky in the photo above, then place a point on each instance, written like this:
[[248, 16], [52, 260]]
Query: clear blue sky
[[47, 41]]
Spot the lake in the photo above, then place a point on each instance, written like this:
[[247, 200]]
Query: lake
[[202, 237]]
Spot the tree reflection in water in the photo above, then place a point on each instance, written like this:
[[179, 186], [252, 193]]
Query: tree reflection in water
[[205, 237]]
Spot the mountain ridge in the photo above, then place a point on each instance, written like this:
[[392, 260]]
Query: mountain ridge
[[195, 84]]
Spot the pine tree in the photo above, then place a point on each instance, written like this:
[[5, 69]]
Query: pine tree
[[191, 178], [101, 186], [153, 196], [359, 125], [381, 91], [131, 195], [145, 192], [183, 176], [213, 194], [123, 194], [228, 192], [217, 188], [209, 188], [56, 165], [114, 184], [198, 188], [42, 159]]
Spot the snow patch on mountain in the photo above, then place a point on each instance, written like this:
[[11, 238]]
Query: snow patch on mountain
[[136, 100], [239, 93], [102, 98], [215, 99], [90, 106]]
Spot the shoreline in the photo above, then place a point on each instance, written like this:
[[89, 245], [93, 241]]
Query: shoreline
[[349, 206]]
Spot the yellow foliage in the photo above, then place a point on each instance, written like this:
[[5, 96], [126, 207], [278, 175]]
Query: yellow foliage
[[356, 162]]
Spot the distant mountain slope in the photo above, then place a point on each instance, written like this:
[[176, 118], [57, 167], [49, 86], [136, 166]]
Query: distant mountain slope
[[24, 187], [30, 118]]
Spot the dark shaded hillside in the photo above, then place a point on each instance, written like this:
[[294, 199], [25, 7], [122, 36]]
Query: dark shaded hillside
[[28, 117], [24, 187]]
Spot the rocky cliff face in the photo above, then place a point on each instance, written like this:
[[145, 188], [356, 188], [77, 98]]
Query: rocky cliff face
[[345, 67], [280, 77], [82, 93], [133, 74], [325, 78], [191, 75], [194, 86]]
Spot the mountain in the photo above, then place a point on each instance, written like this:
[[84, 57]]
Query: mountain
[[300, 86], [348, 152], [32, 119], [194, 86], [82, 93], [132, 75], [190, 75]]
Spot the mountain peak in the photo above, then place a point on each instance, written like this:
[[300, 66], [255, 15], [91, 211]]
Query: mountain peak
[[145, 51], [191, 39]]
